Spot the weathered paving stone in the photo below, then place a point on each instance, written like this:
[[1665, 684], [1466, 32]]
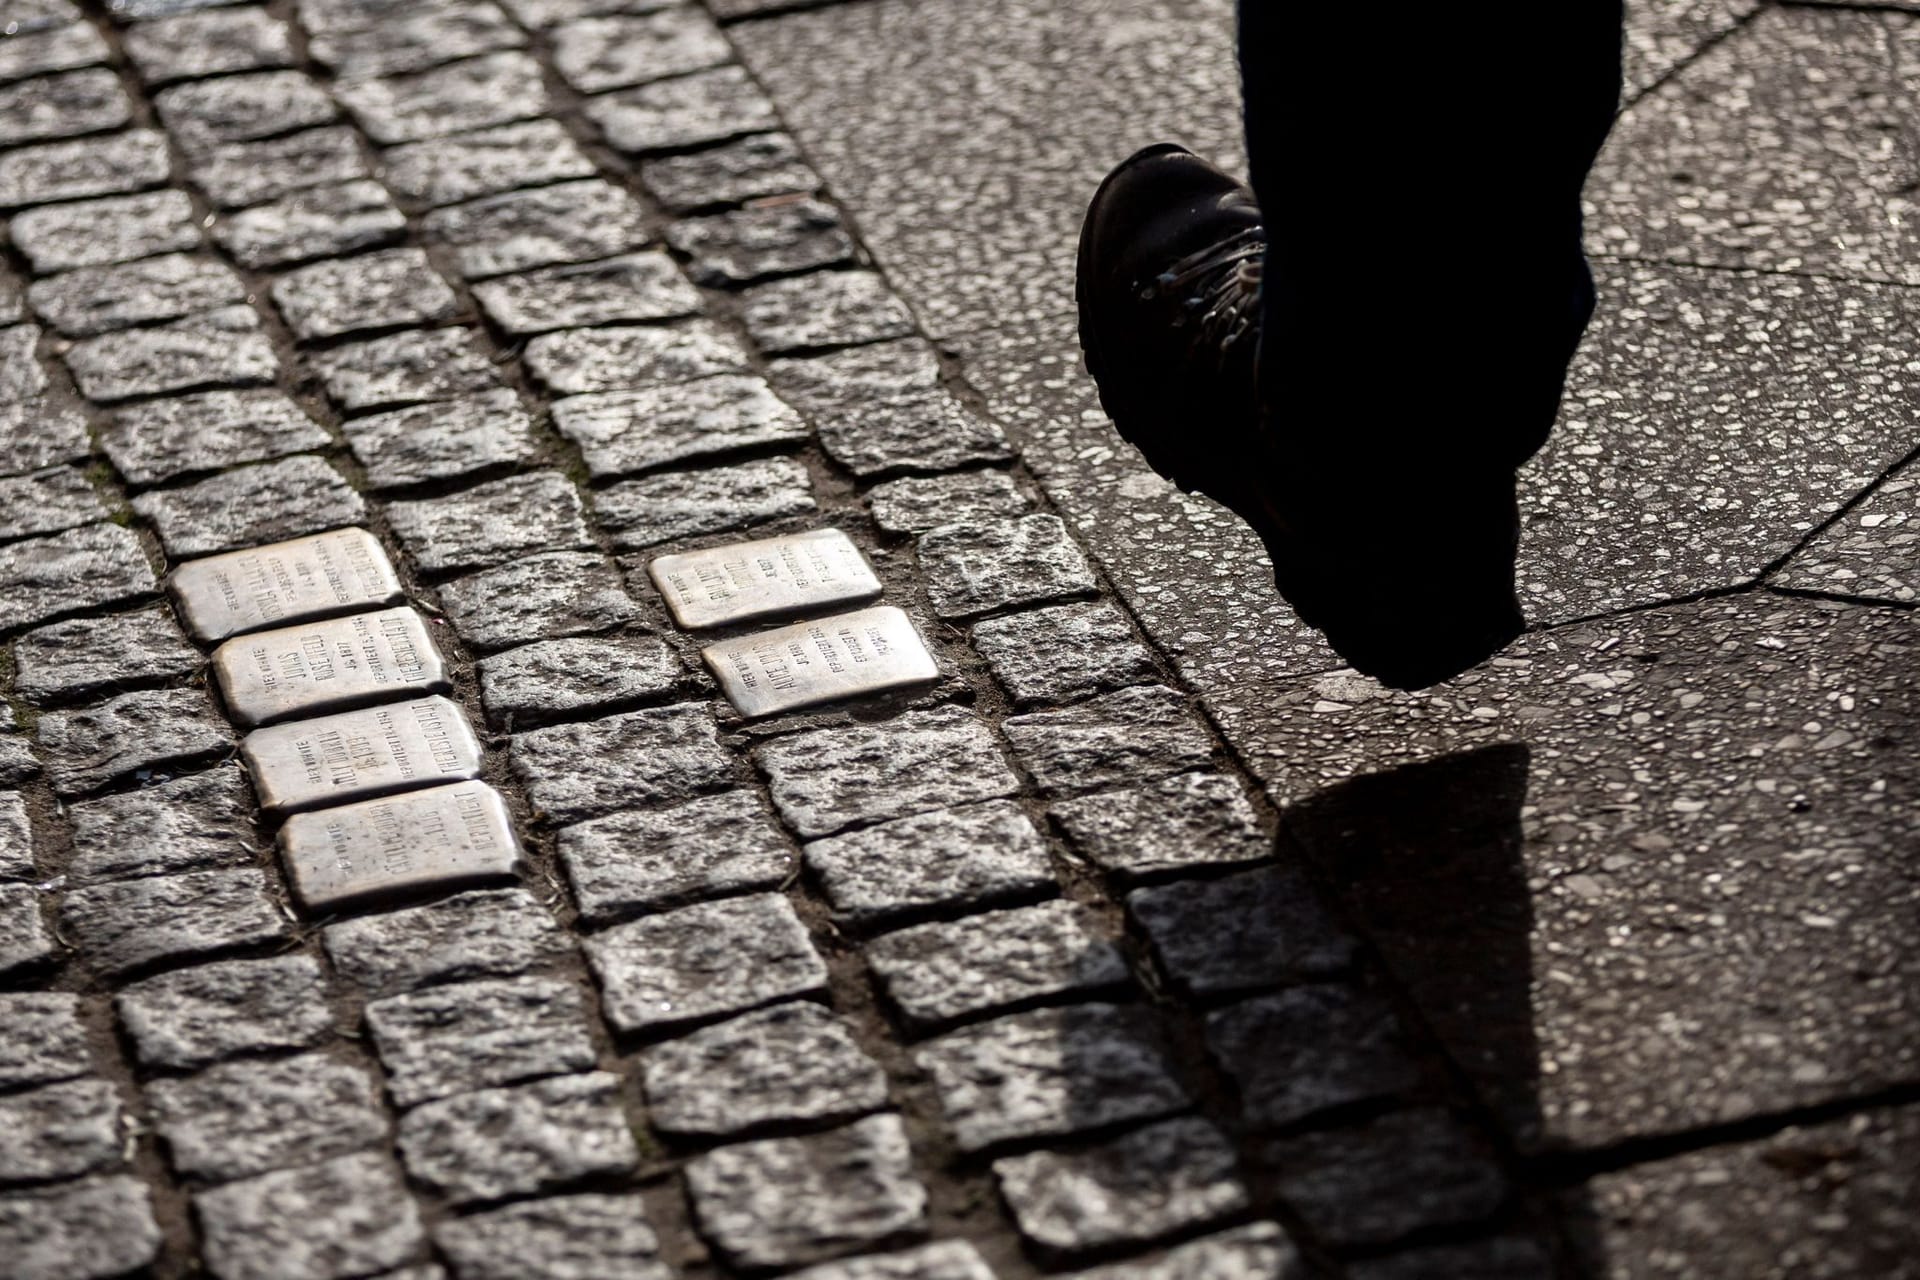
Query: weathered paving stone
[[131, 11], [224, 347], [645, 860], [61, 106], [29, 16], [1063, 653], [196, 823], [158, 440], [93, 233], [204, 114], [30, 52], [84, 1230], [538, 597], [780, 1202], [562, 1236], [373, 291], [639, 758], [826, 309], [881, 409], [85, 750], [1870, 552], [319, 222], [36, 428], [415, 38], [323, 18], [190, 1018], [1191, 820], [360, 754], [639, 286], [344, 1217], [775, 238], [596, 54], [1498, 1258], [91, 300], [332, 664], [47, 502], [678, 505], [91, 655], [1254, 929], [687, 111], [1050, 1072], [793, 1062], [1114, 738], [937, 974], [494, 933], [17, 762], [766, 164], [89, 167], [491, 523], [244, 1118], [574, 361], [473, 1035], [442, 440], [243, 173], [16, 838], [1258, 1252], [946, 1260], [126, 925], [519, 1140], [425, 841], [59, 1131], [541, 14], [42, 1038], [1308, 1049], [622, 432], [557, 679], [973, 569], [486, 162], [192, 45], [703, 961], [492, 89], [268, 502], [1377, 1182], [542, 227], [914, 504], [973, 856], [25, 940], [835, 778], [404, 368], [1139, 1187], [13, 307]]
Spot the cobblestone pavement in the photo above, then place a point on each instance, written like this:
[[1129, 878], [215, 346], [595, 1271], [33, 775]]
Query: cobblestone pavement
[[1141, 942]]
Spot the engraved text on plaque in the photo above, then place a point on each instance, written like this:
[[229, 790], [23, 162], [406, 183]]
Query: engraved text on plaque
[[808, 663], [312, 577], [359, 754], [443, 837], [329, 665], [761, 579]]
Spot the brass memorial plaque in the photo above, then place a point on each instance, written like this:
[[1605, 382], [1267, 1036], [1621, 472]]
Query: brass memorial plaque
[[763, 578], [360, 754], [330, 665], [808, 663], [312, 577], [399, 846]]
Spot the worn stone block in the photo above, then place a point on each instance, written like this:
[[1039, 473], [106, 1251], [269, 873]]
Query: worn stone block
[[127, 925], [541, 14], [827, 309], [491, 523], [623, 432], [472, 1035], [42, 1038], [133, 733], [1497, 1258], [1051, 1072], [638, 286], [628, 761], [776, 238], [703, 961], [793, 1062], [556, 679], [1144, 1185], [403, 368], [268, 502], [1192, 820], [218, 348], [544, 226], [414, 38], [766, 164], [244, 1118], [1119, 737], [85, 1230], [91, 655], [319, 222], [48, 502], [493, 933], [1254, 929], [60, 1131], [242, 173], [442, 440], [834, 778], [196, 823], [64, 105], [938, 974], [492, 89], [192, 1017], [159, 440], [191, 45], [882, 408], [16, 838], [93, 233], [373, 291], [105, 166], [1308, 1049], [559, 1237], [90, 300], [520, 1140], [1869, 552], [645, 860], [679, 505], [37, 429], [1063, 653], [17, 762], [975, 569], [347, 1216], [30, 51], [945, 1260], [972, 856], [538, 597], [486, 162], [596, 54], [1259, 1252], [625, 357], [206, 113], [25, 940], [914, 504], [685, 112]]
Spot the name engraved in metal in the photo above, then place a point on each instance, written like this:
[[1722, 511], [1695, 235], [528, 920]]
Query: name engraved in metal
[[808, 663], [763, 578], [329, 665], [313, 577], [399, 846], [357, 755]]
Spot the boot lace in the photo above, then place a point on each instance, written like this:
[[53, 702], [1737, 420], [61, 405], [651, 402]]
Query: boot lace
[[1219, 291]]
